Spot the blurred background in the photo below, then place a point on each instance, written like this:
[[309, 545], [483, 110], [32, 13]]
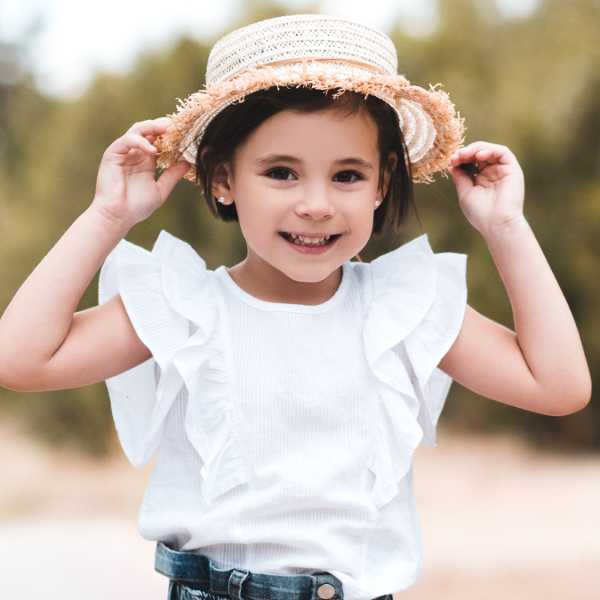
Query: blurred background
[[524, 73]]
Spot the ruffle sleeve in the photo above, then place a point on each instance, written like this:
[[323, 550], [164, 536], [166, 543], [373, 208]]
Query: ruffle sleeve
[[169, 298], [416, 308]]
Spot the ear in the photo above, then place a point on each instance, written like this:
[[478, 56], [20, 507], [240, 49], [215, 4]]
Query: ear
[[221, 184], [388, 171]]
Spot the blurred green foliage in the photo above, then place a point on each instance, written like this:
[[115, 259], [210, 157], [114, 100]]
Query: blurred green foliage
[[532, 84]]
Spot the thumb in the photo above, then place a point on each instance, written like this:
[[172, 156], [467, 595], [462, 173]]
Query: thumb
[[463, 181], [166, 182]]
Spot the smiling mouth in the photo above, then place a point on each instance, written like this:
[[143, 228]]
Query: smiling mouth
[[310, 242]]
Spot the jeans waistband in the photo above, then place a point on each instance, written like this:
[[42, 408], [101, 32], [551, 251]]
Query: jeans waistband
[[196, 571]]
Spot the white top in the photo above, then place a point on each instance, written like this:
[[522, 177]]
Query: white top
[[285, 432]]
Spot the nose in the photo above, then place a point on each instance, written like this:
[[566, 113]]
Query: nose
[[316, 204]]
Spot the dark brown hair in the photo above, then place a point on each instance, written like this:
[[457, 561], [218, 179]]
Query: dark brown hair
[[232, 127]]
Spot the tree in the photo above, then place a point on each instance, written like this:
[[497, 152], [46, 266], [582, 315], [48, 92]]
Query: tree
[[531, 84]]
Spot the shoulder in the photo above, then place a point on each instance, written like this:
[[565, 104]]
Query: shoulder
[[167, 250], [172, 266], [163, 290], [415, 298], [415, 256], [411, 273]]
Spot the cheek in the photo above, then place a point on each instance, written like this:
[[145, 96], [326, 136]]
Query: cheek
[[366, 227], [249, 221], [247, 203], [361, 222], [257, 216]]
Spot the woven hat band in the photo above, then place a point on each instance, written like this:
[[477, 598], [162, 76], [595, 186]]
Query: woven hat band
[[345, 63], [296, 38]]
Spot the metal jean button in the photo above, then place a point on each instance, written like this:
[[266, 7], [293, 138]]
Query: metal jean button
[[326, 591]]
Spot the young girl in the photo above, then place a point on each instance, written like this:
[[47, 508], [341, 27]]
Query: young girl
[[285, 396]]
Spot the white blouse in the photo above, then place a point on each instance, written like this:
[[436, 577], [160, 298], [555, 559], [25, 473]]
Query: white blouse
[[285, 433]]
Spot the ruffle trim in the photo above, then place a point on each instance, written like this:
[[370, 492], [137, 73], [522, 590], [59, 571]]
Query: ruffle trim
[[416, 309], [168, 297]]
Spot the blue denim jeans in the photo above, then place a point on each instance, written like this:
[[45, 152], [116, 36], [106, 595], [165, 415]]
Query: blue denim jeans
[[194, 578]]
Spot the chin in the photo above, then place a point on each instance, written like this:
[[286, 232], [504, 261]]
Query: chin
[[310, 274]]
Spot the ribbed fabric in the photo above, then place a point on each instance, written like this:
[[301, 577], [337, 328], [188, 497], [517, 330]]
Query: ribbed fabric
[[285, 433]]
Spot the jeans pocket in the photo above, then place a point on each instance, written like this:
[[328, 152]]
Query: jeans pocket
[[178, 591]]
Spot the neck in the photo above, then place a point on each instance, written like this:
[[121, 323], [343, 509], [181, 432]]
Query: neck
[[263, 281]]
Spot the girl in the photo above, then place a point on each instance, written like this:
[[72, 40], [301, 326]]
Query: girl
[[286, 395]]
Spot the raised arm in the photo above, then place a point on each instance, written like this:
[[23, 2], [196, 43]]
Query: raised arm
[[43, 343], [541, 366]]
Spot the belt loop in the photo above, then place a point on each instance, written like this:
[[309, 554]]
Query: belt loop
[[234, 587]]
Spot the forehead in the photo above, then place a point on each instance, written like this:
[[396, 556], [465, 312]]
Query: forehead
[[327, 134]]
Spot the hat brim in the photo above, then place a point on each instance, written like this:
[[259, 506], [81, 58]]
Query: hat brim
[[431, 128]]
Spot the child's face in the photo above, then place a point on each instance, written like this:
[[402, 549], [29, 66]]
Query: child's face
[[307, 175]]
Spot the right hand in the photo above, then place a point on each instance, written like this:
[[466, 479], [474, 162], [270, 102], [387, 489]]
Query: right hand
[[126, 191]]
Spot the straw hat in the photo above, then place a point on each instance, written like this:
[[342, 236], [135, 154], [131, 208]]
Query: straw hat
[[325, 53]]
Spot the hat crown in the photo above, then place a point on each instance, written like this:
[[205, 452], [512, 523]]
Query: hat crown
[[296, 38]]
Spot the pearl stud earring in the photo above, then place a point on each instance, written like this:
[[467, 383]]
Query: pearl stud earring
[[221, 200], [377, 203]]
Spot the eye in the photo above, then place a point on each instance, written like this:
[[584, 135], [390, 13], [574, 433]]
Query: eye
[[281, 174], [347, 177]]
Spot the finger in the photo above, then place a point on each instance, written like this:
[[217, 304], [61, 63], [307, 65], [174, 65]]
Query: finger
[[166, 182], [128, 142], [495, 155], [154, 127], [479, 151], [492, 153], [463, 181], [466, 154]]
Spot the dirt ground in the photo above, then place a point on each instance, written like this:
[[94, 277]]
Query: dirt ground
[[500, 521]]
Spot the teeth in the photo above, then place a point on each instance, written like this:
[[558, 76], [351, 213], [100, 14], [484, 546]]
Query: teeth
[[308, 241]]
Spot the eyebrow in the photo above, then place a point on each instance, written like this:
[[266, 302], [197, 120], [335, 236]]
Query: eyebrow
[[355, 162], [274, 159]]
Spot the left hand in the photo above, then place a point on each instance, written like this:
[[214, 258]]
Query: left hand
[[493, 198]]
